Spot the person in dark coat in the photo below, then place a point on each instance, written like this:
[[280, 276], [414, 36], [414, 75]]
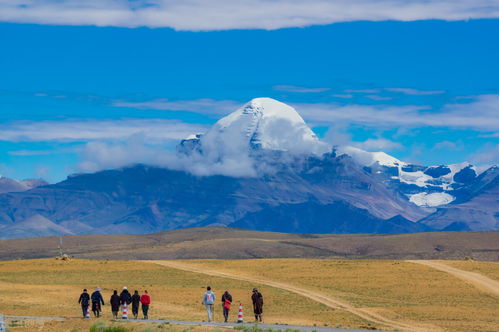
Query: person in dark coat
[[125, 297], [84, 301], [115, 304], [97, 300], [257, 299], [135, 304], [226, 302]]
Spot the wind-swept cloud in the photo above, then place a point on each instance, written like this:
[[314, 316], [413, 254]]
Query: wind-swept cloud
[[203, 105], [228, 14], [479, 114], [415, 92], [85, 130], [487, 156], [299, 89], [378, 144]]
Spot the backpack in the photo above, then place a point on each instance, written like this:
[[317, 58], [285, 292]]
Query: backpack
[[209, 298], [227, 304]]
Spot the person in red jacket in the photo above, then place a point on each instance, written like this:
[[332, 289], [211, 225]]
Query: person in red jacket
[[145, 299]]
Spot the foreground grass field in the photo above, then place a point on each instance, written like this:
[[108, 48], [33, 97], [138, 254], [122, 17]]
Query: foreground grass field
[[427, 299], [51, 288]]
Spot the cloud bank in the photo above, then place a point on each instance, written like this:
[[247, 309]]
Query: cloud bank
[[478, 113], [85, 130], [202, 15]]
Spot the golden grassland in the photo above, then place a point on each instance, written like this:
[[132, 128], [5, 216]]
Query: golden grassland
[[489, 269], [49, 287], [397, 290], [72, 325]]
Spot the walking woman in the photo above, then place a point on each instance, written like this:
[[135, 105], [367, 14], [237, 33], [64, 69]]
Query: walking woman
[[257, 299], [226, 302]]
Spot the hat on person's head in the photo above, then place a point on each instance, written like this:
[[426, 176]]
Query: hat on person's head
[[125, 287], [98, 289]]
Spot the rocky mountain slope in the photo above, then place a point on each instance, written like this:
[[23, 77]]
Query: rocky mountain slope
[[262, 168]]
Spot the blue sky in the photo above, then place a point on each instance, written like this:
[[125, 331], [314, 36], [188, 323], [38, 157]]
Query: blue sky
[[82, 97]]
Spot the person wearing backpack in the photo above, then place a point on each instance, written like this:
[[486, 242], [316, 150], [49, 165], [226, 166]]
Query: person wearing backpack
[[226, 302], [96, 302], [125, 298], [84, 300], [208, 300]]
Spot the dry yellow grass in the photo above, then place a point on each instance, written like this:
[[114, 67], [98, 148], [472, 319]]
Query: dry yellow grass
[[489, 269], [49, 287], [402, 292], [82, 325], [397, 290]]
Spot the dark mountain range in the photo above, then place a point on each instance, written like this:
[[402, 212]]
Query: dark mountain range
[[144, 199], [477, 208], [273, 174]]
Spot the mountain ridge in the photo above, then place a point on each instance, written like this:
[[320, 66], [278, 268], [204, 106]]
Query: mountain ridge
[[271, 173]]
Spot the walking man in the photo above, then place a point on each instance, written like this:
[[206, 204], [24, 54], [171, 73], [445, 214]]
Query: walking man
[[226, 302], [145, 299], [208, 300], [257, 299], [125, 297], [135, 304], [115, 304], [84, 301], [96, 302]]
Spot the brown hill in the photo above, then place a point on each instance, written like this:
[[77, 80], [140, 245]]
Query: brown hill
[[233, 243]]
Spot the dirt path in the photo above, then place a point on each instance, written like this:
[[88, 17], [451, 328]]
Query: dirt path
[[193, 323], [480, 281], [334, 303]]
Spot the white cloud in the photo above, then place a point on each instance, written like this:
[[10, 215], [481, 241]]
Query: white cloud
[[487, 156], [299, 89], [415, 92], [243, 14], [479, 114], [448, 145], [378, 98], [378, 144], [204, 105], [74, 130], [343, 96], [362, 90]]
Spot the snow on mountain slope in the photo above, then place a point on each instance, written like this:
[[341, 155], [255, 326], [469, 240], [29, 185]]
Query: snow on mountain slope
[[425, 186], [262, 123], [366, 158], [431, 200]]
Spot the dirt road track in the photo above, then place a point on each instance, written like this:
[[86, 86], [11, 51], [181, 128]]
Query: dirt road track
[[480, 281], [364, 313]]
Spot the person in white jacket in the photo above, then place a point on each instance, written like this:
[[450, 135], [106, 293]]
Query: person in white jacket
[[208, 300]]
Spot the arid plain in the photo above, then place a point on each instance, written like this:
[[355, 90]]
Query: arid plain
[[368, 294]]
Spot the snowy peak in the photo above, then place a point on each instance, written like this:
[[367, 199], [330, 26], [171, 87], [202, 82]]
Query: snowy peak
[[267, 124], [261, 124]]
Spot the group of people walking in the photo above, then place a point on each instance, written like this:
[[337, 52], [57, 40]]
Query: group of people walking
[[117, 302], [209, 299], [125, 298]]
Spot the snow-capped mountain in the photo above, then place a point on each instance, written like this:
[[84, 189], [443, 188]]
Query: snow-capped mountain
[[426, 186], [282, 178], [261, 124]]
